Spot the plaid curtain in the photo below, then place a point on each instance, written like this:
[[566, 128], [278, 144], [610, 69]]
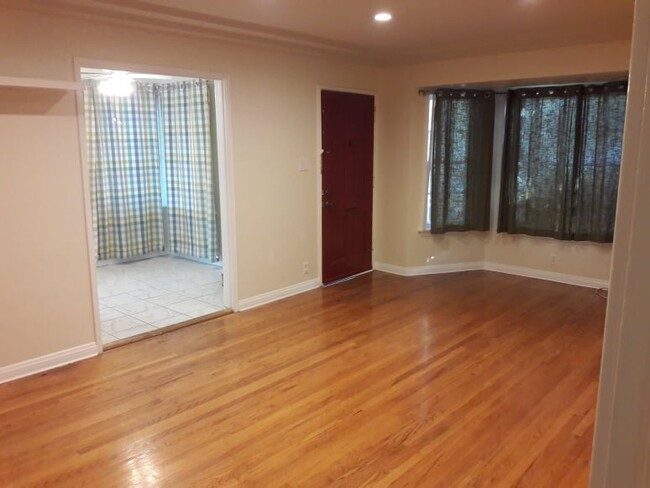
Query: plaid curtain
[[189, 161], [123, 157]]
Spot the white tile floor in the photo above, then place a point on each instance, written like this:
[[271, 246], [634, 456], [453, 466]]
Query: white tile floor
[[153, 293]]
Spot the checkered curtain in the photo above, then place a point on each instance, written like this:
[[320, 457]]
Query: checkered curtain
[[124, 166], [189, 162]]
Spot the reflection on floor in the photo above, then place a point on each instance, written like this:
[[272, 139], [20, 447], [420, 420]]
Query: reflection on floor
[[153, 293]]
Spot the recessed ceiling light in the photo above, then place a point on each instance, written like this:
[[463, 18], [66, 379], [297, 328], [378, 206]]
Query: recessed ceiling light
[[383, 17]]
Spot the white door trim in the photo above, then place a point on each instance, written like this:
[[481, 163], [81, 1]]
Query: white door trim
[[621, 451], [225, 167]]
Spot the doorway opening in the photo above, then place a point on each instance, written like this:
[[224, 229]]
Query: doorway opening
[[156, 200]]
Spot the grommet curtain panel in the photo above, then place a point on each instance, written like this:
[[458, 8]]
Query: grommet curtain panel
[[190, 168], [463, 131], [561, 161], [123, 159], [152, 161]]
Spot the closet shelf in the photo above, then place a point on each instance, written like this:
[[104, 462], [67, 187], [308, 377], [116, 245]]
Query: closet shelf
[[39, 83]]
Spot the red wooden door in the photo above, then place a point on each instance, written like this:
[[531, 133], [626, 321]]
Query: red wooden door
[[348, 126]]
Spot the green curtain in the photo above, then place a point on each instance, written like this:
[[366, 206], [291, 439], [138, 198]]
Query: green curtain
[[598, 163], [189, 162], [122, 143], [463, 132], [561, 161]]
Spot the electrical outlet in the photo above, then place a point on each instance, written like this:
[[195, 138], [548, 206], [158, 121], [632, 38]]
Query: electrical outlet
[[553, 259], [305, 267]]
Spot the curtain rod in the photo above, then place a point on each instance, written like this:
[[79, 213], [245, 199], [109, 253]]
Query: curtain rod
[[433, 89]]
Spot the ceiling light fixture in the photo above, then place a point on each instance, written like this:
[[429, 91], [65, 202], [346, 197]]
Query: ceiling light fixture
[[383, 17], [118, 84]]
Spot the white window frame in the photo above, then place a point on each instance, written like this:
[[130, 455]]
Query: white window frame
[[426, 210]]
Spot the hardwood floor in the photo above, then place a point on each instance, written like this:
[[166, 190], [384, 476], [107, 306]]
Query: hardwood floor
[[461, 380]]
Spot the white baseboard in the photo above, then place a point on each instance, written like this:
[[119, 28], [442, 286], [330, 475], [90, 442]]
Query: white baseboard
[[497, 267], [49, 361], [428, 269], [272, 296], [541, 274], [85, 351]]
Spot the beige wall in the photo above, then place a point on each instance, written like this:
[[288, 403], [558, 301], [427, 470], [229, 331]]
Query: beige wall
[[45, 281], [401, 164], [45, 293]]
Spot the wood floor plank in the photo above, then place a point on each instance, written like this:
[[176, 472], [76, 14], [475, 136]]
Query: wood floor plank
[[472, 379]]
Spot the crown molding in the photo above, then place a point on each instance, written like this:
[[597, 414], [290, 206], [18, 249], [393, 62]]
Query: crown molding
[[144, 15]]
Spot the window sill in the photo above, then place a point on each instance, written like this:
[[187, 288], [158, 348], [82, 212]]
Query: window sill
[[456, 232]]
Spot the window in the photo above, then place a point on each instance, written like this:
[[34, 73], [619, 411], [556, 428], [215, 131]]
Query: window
[[561, 163], [427, 204], [461, 125]]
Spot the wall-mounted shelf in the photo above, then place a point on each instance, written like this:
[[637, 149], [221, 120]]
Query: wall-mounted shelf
[[39, 83]]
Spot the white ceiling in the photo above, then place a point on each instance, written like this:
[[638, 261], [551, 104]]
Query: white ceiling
[[420, 29]]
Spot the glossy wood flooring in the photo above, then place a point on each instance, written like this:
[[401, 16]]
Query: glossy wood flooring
[[461, 380]]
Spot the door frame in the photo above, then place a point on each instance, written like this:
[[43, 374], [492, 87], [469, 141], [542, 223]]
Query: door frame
[[319, 175], [225, 168]]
